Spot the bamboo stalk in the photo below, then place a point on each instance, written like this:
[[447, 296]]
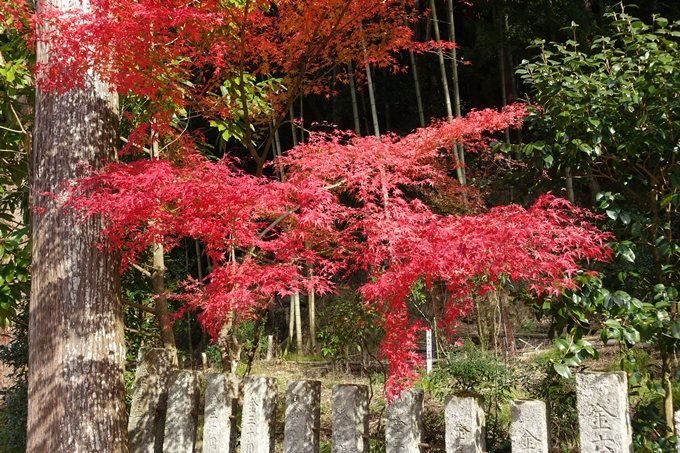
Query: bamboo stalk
[[355, 105], [416, 82], [459, 149], [292, 124], [442, 66]]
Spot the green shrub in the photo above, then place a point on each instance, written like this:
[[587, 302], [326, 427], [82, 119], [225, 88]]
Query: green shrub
[[14, 408]]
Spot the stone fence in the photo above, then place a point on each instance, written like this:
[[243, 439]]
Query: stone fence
[[602, 404]]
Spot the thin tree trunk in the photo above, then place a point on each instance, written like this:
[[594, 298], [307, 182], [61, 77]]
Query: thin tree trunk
[[371, 96], [480, 325], [161, 304], [501, 62], [460, 150], [291, 325], [199, 263], [158, 283], [507, 325], [442, 66], [353, 94], [416, 82], [76, 392], [292, 124], [447, 97], [570, 185], [298, 322], [311, 302], [668, 397], [302, 118]]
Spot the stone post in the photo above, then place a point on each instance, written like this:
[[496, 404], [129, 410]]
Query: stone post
[[182, 415], [403, 423], [219, 428], [530, 432], [259, 415], [146, 423], [302, 423], [270, 347], [465, 424], [603, 417], [349, 408], [676, 422]]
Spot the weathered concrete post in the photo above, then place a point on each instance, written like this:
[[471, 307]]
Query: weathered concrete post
[[465, 424], [603, 418], [219, 429], [180, 421], [530, 431], [403, 423], [146, 423], [301, 430], [259, 415], [350, 419]]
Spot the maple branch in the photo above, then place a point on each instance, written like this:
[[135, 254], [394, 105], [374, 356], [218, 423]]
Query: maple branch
[[142, 270], [11, 130], [186, 126], [139, 306], [16, 116], [337, 184], [146, 150], [139, 332], [277, 221]]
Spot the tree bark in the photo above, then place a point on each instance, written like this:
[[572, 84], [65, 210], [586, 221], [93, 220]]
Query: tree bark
[[76, 393]]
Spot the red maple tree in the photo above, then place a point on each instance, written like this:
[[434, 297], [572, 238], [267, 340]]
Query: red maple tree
[[240, 64], [346, 203], [344, 206]]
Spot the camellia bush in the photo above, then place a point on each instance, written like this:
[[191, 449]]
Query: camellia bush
[[610, 115]]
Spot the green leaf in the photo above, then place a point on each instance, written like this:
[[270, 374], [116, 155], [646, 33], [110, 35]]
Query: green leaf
[[631, 336], [562, 345], [626, 253], [613, 323], [562, 370], [675, 329], [573, 360], [665, 201]]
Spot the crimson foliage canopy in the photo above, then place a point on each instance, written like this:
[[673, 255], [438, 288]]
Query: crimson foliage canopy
[[345, 204]]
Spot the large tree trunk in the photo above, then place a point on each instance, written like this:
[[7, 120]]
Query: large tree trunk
[[76, 399]]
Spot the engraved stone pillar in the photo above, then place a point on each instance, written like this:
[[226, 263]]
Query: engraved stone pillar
[[259, 415], [301, 433], [530, 431], [603, 418], [149, 398], [219, 429], [403, 423], [676, 422], [182, 415], [350, 419], [465, 424]]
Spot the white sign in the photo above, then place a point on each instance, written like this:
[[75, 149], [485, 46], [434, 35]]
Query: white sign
[[428, 336]]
